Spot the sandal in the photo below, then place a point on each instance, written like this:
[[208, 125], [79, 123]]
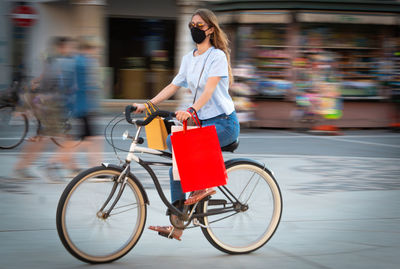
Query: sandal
[[197, 196], [167, 231]]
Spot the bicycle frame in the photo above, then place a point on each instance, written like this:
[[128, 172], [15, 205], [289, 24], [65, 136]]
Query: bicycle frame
[[236, 205]]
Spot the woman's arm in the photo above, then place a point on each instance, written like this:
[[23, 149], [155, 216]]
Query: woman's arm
[[209, 89], [164, 94]]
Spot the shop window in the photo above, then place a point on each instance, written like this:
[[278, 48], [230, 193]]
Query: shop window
[[263, 52], [351, 50], [142, 54], [281, 64]]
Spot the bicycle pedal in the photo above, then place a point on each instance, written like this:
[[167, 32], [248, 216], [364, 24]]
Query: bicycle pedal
[[165, 235]]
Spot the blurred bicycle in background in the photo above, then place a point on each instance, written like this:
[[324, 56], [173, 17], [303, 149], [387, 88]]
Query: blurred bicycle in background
[[19, 106]]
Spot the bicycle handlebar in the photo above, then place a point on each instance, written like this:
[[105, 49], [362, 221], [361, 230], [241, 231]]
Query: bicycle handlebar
[[129, 109]]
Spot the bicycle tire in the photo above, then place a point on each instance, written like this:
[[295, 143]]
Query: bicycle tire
[[235, 232], [77, 238], [8, 119], [61, 142], [69, 136]]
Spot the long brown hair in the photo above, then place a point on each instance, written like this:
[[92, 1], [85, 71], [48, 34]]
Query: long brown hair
[[218, 38]]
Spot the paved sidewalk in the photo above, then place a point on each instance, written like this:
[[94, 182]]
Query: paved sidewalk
[[331, 219]]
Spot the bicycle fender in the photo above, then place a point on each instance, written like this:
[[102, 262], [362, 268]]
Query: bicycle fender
[[230, 162], [140, 186]]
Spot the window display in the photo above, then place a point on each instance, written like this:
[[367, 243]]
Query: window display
[[355, 51], [272, 61], [282, 61]]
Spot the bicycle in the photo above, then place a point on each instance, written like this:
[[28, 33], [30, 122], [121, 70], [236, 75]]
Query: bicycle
[[110, 195], [14, 121]]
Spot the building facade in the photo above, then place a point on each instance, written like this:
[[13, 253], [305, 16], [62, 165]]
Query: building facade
[[142, 40], [276, 48], [290, 50]]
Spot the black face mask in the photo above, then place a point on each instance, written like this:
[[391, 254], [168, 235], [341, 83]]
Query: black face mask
[[198, 35]]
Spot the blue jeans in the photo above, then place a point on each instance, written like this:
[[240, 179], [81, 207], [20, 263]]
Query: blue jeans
[[228, 129]]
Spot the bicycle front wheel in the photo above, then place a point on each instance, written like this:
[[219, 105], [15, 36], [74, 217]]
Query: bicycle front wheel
[[14, 127], [255, 198], [83, 223]]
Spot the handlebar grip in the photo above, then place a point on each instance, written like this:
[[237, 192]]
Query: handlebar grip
[[128, 110], [160, 113]]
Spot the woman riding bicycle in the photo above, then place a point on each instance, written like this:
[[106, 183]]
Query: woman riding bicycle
[[206, 71]]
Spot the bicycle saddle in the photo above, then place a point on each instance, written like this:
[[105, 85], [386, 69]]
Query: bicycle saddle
[[231, 147]]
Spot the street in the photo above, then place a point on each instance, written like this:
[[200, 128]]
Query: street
[[341, 200]]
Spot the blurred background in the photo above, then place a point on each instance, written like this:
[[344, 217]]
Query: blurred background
[[322, 63], [309, 65]]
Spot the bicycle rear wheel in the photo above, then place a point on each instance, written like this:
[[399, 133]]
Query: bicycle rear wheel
[[256, 198], [69, 137], [84, 229], [13, 127]]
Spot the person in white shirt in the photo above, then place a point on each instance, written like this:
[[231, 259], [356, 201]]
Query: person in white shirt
[[206, 71]]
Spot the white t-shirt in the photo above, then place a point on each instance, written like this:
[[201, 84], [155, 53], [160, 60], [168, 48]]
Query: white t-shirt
[[216, 65]]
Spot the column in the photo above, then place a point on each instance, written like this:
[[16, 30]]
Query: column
[[184, 42], [90, 21]]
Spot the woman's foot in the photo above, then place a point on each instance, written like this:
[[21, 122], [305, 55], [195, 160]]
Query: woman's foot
[[197, 196], [168, 231], [35, 138]]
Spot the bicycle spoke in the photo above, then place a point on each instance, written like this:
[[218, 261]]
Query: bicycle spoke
[[245, 187], [252, 192], [126, 210], [256, 216]]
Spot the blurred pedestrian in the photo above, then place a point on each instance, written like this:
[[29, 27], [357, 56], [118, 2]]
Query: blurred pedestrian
[[84, 108], [48, 101]]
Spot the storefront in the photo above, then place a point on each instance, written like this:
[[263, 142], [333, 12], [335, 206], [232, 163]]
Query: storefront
[[297, 51], [141, 49], [141, 53], [139, 41]]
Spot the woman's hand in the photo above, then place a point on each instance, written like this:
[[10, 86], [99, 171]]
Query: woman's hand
[[182, 115], [139, 108]]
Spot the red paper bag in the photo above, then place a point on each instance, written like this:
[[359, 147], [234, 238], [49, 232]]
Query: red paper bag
[[175, 172], [199, 158]]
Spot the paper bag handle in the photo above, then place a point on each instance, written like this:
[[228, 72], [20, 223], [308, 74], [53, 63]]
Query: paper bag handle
[[194, 116]]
